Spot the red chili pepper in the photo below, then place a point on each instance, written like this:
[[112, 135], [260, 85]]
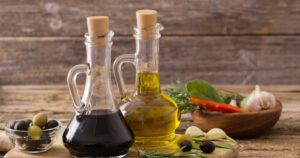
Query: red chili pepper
[[215, 106]]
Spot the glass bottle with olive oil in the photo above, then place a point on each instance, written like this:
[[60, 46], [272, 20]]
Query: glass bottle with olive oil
[[152, 116]]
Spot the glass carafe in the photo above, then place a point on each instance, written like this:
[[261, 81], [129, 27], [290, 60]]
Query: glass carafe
[[98, 128], [152, 116]]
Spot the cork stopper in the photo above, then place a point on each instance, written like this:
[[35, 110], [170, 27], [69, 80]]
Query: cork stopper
[[97, 26], [146, 18], [146, 21]]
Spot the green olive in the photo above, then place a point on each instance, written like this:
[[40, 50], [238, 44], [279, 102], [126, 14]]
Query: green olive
[[40, 119], [35, 132]]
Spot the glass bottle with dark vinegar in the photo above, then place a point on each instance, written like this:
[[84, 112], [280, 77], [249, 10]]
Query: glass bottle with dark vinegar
[[152, 116], [98, 129]]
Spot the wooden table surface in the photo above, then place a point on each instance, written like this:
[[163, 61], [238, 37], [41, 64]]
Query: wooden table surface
[[283, 140]]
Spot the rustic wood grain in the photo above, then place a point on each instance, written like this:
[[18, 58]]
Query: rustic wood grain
[[189, 17], [233, 42], [218, 59], [282, 141]]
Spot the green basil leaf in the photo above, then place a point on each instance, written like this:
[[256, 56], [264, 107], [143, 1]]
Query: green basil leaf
[[203, 90]]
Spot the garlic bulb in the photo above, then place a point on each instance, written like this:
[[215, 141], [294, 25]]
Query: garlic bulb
[[194, 131], [259, 100], [215, 133]]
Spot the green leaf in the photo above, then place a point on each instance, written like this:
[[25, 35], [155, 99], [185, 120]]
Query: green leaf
[[244, 102], [196, 145], [203, 90], [170, 155], [223, 145], [196, 88]]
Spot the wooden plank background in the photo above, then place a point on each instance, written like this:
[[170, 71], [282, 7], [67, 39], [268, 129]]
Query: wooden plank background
[[222, 41]]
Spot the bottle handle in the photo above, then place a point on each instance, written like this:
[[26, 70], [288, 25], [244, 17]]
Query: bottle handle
[[79, 105], [117, 70]]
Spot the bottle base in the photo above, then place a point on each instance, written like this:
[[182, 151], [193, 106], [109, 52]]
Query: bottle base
[[103, 154], [148, 143]]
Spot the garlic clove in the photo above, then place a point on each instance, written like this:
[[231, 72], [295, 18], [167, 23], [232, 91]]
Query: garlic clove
[[253, 103], [194, 131], [215, 133], [267, 100], [233, 102]]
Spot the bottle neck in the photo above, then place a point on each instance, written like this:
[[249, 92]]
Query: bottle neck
[[99, 60], [147, 55], [147, 66]]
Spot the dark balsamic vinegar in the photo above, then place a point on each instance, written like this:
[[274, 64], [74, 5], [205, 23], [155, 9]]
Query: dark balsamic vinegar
[[100, 134]]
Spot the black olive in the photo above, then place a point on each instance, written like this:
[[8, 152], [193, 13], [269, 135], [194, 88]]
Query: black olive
[[21, 125], [32, 144], [186, 146], [11, 126], [207, 146], [28, 122], [51, 124], [46, 140]]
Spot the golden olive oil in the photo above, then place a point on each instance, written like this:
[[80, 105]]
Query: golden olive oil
[[152, 116]]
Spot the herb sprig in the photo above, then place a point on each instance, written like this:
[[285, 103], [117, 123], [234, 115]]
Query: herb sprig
[[170, 155], [226, 143], [180, 95], [195, 88]]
